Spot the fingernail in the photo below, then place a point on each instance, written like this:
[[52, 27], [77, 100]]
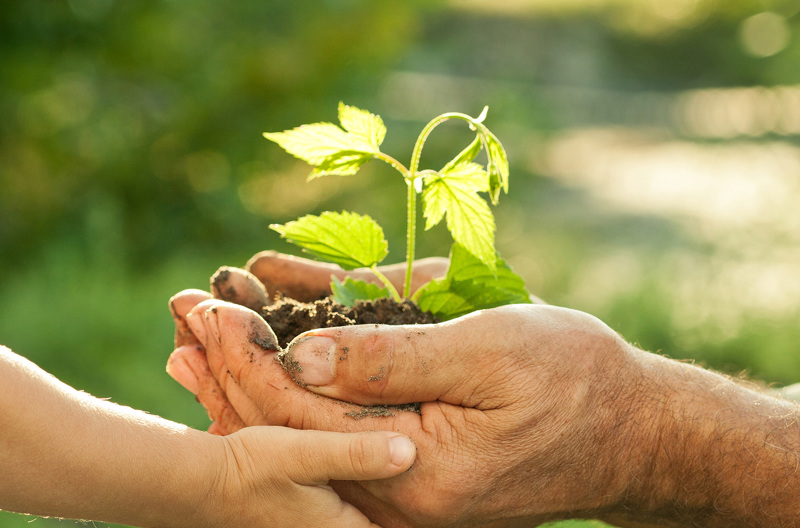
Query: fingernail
[[197, 327], [401, 449], [183, 374], [212, 324], [314, 356]]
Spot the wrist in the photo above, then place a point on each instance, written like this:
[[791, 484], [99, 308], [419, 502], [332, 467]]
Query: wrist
[[191, 491], [711, 452], [173, 480]]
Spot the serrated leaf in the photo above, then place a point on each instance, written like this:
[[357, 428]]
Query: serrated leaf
[[498, 166], [347, 239], [469, 219], [316, 142], [350, 291], [439, 298], [362, 123], [470, 285], [465, 156], [465, 267], [343, 163], [329, 148]]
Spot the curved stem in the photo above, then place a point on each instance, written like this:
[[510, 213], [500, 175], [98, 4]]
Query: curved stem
[[411, 174], [386, 282], [394, 163], [417, 153], [411, 177]]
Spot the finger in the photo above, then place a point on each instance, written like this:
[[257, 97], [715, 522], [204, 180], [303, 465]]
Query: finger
[[320, 456], [189, 367], [307, 280], [263, 393], [240, 287], [300, 278], [458, 362], [179, 305]]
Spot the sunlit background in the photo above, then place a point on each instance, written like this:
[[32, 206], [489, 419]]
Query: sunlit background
[[653, 145]]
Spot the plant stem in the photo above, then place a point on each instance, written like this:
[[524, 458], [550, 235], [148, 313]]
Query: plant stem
[[411, 231], [394, 163], [385, 281], [436, 121], [411, 176], [412, 221]]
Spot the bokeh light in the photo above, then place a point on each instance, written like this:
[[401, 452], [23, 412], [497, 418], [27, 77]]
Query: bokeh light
[[765, 34]]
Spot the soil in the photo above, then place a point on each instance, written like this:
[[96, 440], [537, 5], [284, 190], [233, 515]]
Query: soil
[[289, 318]]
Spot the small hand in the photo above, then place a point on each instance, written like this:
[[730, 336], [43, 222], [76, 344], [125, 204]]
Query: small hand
[[275, 476], [65, 453]]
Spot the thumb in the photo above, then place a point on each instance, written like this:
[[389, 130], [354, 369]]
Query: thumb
[[321, 456], [373, 364]]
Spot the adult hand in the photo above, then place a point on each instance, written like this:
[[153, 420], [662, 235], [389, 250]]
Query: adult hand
[[529, 413], [511, 413], [266, 275], [308, 280]]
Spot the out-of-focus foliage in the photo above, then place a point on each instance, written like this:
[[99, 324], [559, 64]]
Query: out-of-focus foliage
[[654, 146]]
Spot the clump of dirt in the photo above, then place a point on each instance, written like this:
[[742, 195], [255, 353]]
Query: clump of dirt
[[289, 318], [382, 410]]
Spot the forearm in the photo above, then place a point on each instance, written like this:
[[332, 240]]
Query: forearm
[[719, 454], [64, 453]]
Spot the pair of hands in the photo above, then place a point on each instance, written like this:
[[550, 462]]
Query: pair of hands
[[520, 419]]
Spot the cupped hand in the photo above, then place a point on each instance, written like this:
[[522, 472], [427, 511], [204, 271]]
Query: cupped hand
[[266, 275], [521, 418]]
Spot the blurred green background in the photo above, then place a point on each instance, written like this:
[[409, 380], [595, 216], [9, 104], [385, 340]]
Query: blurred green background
[[653, 145]]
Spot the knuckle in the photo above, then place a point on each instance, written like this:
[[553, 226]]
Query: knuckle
[[378, 345], [361, 453]]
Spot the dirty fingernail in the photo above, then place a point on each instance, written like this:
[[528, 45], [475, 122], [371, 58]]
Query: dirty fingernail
[[195, 324], [401, 449], [314, 360]]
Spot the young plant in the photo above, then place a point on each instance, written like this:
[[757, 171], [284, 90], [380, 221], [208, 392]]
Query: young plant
[[476, 278]]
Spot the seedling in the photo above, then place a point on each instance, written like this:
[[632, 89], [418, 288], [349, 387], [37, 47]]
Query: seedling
[[476, 278]]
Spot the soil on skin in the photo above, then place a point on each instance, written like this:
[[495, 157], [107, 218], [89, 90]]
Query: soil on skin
[[289, 318]]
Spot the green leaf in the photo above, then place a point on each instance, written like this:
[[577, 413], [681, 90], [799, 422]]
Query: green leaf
[[454, 193], [329, 148], [465, 156], [498, 165], [316, 142], [347, 239], [350, 291], [465, 267], [470, 285], [439, 298], [343, 163], [363, 124]]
